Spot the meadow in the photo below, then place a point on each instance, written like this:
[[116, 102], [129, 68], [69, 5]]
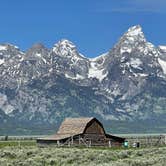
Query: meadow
[[27, 153]]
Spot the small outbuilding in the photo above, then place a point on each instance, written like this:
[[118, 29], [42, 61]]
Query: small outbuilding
[[82, 131]]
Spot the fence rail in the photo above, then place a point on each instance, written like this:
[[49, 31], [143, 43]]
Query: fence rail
[[143, 139], [25, 137], [147, 140]]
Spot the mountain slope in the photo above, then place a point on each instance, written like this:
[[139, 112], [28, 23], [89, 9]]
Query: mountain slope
[[42, 86]]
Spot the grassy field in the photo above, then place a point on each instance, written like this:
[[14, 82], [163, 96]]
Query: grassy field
[[17, 143], [27, 153]]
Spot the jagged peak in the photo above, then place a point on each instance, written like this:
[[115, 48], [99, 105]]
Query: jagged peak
[[6, 46], [38, 46], [65, 48], [135, 30], [134, 33], [65, 43], [132, 37], [37, 50]]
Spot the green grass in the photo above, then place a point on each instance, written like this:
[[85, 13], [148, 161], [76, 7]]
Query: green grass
[[27, 153], [17, 143]]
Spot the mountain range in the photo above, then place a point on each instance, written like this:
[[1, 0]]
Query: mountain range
[[125, 87]]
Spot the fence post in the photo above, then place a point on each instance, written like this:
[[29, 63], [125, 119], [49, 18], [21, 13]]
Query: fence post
[[72, 140], [109, 143], [58, 143], [90, 143]]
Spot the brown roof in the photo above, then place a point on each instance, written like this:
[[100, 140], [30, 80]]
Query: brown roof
[[70, 127], [73, 125]]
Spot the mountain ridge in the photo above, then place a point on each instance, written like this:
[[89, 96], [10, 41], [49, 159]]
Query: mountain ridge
[[42, 86]]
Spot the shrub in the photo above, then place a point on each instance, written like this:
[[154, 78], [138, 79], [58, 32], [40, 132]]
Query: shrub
[[32, 155]]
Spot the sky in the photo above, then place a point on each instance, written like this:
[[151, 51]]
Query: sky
[[94, 26]]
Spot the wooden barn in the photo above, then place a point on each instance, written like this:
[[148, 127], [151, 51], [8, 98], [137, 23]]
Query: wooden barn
[[82, 131]]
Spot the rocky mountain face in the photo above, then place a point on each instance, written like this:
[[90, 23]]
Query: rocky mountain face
[[42, 86]]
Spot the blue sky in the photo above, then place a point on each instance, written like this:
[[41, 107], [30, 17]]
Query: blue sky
[[93, 25]]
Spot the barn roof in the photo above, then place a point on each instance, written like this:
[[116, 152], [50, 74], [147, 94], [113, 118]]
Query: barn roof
[[71, 127], [74, 125]]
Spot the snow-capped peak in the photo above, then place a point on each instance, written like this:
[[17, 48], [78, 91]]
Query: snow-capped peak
[[132, 39], [2, 47], [65, 48], [135, 30], [6, 46], [135, 33], [66, 43]]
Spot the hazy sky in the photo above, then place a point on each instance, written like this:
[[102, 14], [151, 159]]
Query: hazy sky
[[93, 25]]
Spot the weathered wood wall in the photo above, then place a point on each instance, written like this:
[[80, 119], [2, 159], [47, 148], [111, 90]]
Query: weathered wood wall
[[94, 128]]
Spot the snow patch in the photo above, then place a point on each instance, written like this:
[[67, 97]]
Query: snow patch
[[50, 70], [135, 63], [67, 43], [37, 54], [135, 30], [2, 48], [77, 77], [143, 74], [151, 48], [95, 72], [162, 48], [44, 60], [96, 69], [8, 109], [64, 48], [163, 64], [4, 105], [2, 61], [125, 49], [135, 33], [81, 55]]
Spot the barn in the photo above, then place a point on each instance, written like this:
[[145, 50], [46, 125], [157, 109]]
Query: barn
[[82, 131]]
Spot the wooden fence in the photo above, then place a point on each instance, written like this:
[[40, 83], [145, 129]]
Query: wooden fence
[[147, 140], [143, 139]]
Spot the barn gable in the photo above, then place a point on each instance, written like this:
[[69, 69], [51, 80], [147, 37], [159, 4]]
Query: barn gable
[[94, 127]]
